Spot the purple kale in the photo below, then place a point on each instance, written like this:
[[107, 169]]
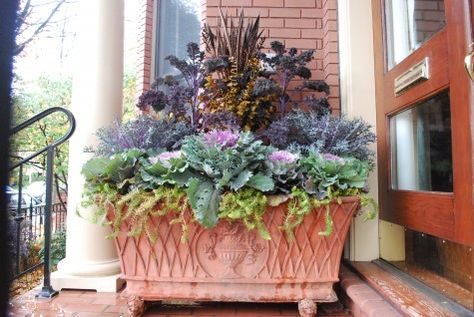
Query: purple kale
[[222, 120], [265, 87], [316, 85], [152, 98], [303, 72], [143, 132], [216, 63], [287, 65], [179, 99], [320, 106], [277, 47], [305, 131]]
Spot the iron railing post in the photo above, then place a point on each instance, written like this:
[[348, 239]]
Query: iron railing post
[[47, 291], [18, 220], [30, 224]]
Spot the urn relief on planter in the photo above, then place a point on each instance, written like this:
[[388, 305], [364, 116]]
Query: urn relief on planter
[[232, 245]]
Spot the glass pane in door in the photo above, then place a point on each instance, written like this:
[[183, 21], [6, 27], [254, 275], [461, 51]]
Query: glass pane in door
[[408, 24], [420, 142]]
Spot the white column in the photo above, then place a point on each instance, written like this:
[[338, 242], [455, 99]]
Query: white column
[[358, 100], [91, 260]]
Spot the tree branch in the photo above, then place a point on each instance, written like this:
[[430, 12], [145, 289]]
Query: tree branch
[[27, 11]]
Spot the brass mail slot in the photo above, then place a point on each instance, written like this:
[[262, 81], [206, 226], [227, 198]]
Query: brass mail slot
[[417, 73]]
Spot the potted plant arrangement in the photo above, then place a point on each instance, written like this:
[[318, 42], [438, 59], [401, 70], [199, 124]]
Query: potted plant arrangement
[[228, 188]]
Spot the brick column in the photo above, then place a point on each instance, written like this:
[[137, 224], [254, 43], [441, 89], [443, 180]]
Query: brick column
[[145, 45], [331, 50]]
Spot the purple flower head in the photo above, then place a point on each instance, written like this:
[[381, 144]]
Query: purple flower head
[[224, 138], [283, 157], [334, 158]]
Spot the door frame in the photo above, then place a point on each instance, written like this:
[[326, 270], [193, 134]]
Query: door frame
[[445, 215]]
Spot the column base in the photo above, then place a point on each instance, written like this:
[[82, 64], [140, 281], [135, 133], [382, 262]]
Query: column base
[[111, 283]]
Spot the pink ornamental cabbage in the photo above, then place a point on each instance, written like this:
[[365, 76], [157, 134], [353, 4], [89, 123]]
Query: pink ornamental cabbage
[[165, 157], [153, 160], [334, 158], [224, 138], [283, 157]]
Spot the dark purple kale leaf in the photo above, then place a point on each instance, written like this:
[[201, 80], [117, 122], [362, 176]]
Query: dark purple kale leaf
[[178, 96], [222, 120], [143, 133], [309, 131]]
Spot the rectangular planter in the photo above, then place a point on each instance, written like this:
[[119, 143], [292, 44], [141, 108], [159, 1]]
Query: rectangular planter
[[230, 263]]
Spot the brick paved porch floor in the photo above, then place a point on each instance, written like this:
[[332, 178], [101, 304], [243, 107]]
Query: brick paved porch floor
[[92, 304]]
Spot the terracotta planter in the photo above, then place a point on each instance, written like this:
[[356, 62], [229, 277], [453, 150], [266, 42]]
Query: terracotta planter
[[229, 263]]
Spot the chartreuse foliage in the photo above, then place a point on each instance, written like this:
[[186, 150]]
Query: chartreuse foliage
[[248, 205], [138, 205]]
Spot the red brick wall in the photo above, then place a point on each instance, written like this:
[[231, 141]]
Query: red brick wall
[[144, 44], [304, 24], [331, 51], [429, 18]]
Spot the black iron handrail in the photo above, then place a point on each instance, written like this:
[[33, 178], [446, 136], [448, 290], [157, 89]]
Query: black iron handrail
[[47, 290], [37, 118]]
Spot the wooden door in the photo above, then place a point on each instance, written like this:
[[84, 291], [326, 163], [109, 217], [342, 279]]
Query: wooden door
[[429, 191]]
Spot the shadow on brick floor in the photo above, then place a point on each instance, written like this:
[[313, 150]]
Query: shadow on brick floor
[[79, 303]]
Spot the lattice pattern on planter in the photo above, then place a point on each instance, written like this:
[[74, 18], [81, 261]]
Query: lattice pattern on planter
[[308, 256], [229, 251]]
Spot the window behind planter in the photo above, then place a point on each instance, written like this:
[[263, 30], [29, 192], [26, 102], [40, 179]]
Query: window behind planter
[[178, 23]]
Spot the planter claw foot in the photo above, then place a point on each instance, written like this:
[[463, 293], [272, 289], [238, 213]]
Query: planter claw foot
[[135, 305], [307, 308]]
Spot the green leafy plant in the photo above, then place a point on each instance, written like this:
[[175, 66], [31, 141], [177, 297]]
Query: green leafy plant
[[137, 206], [165, 168], [106, 179], [298, 207], [326, 174], [223, 161], [284, 167], [218, 175], [58, 247], [212, 171]]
